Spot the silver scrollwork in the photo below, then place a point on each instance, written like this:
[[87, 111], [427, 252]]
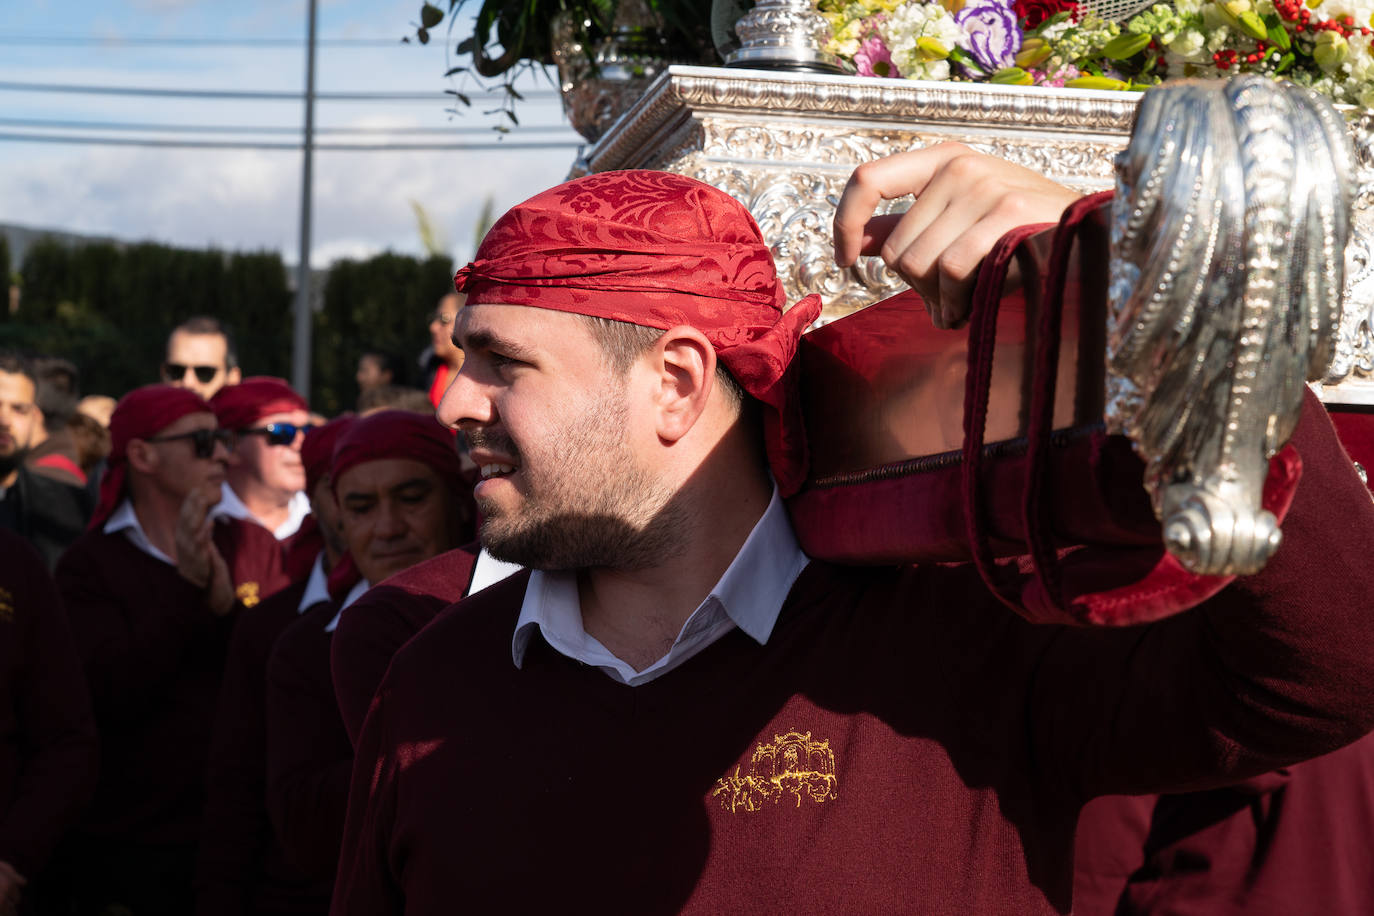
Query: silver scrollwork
[[1230, 223]]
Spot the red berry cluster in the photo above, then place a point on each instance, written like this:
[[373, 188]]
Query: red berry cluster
[[1224, 59], [1296, 11]]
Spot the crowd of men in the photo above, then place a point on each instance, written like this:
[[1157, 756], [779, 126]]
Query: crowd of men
[[258, 662]]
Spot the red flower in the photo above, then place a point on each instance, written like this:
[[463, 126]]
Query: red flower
[[1033, 12]]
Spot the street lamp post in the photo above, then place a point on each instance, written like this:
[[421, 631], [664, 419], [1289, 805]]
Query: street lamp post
[[300, 355]]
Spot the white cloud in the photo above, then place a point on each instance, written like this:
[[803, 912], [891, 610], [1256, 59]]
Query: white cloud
[[251, 200]]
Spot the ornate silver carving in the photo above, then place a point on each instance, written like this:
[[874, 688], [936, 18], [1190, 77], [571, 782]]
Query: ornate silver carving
[[784, 35], [1230, 222]]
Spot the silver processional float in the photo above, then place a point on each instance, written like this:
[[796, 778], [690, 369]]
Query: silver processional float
[[1228, 230]]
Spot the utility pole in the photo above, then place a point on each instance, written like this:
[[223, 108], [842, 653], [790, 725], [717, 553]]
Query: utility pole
[[300, 353]]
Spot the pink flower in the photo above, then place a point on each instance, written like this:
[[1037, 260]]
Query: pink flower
[[874, 59]]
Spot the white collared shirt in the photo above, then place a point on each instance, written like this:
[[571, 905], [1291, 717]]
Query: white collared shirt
[[230, 506], [316, 587], [488, 571], [749, 595], [125, 519], [353, 595]]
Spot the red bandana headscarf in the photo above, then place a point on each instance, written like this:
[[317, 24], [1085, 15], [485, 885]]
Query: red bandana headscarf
[[240, 406], [397, 434], [659, 250], [140, 414], [317, 450]]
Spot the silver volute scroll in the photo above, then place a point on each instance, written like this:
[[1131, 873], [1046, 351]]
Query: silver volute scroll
[[1229, 227]]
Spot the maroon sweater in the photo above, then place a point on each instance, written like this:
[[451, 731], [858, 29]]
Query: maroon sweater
[[1292, 841], [309, 756], [381, 621], [241, 869], [48, 756], [153, 654], [901, 743]]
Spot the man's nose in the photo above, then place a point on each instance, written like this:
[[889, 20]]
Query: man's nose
[[464, 402]]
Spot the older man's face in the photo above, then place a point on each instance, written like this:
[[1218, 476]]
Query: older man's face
[[179, 467], [19, 418], [274, 462], [553, 431], [394, 513]]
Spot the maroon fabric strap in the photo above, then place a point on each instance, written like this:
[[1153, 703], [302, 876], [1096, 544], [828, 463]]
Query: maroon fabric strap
[[982, 341], [1161, 585]]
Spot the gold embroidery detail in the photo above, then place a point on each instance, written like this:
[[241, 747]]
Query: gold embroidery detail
[[6, 606], [248, 594], [793, 763]]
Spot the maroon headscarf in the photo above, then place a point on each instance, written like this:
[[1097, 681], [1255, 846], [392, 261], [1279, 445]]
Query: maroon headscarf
[[140, 414], [240, 406], [659, 250], [317, 451], [397, 434]]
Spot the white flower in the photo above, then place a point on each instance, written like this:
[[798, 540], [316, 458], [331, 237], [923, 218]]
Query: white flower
[[1361, 10], [921, 20], [1189, 45]]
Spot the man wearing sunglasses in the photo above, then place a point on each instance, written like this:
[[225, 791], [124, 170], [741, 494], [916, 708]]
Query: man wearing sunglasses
[[265, 482], [201, 357], [152, 591]]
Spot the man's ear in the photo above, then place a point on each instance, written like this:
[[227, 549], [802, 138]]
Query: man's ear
[[142, 457], [685, 363], [233, 376]]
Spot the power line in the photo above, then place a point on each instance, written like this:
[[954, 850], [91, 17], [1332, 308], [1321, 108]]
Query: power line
[[136, 126], [258, 94], [245, 145], [191, 41]]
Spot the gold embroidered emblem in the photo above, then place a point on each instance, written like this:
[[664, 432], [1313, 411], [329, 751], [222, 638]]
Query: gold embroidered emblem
[[6, 606], [792, 764], [248, 594]]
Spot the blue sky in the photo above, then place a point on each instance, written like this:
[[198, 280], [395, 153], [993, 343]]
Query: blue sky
[[250, 199]]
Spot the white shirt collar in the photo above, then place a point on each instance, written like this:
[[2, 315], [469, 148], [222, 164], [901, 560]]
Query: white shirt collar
[[230, 506], [316, 587], [353, 595], [749, 596], [125, 519], [488, 571]]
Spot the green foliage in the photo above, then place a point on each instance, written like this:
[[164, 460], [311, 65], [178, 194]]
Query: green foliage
[[109, 308], [4, 276], [383, 303]]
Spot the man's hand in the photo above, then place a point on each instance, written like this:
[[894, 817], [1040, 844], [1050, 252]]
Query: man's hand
[[11, 889], [198, 559], [965, 202]]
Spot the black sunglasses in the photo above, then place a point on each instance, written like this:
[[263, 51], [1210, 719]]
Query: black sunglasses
[[276, 433], [176, 372], [202, 440]]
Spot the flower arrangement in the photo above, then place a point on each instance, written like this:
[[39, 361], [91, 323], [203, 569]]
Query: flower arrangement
[[1324, 44]]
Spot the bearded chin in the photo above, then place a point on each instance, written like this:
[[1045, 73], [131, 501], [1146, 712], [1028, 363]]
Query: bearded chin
[[12, 462], [610, 536]]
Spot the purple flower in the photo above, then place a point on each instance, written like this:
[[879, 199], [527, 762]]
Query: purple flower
[[874, 59], [994, 36]]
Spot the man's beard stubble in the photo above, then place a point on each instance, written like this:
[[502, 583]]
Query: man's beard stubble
[[13, 461], [601, 510]]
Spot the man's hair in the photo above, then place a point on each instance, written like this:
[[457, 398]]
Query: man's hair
[[387, 362], [622, 343], [56, 391], [394, 397], [14, 363], [204, 324]]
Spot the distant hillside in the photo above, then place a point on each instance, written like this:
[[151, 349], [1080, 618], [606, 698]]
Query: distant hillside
[[21, 237]]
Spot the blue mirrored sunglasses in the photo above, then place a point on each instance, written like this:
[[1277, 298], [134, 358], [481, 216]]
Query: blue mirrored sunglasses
[[276, 433]]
